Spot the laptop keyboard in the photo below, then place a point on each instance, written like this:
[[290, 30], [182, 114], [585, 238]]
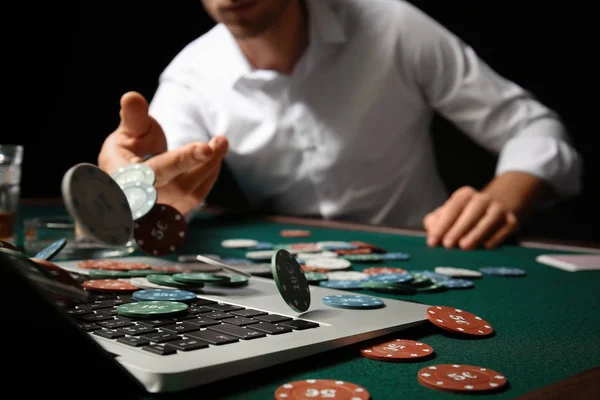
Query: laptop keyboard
[[206, 323]]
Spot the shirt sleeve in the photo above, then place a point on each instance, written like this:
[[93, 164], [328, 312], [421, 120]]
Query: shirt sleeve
[[176, 109], [496, 113]]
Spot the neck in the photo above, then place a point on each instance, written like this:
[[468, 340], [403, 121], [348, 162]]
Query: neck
[[281, 46]]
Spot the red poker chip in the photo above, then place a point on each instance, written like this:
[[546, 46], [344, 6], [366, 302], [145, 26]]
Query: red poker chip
[[295, 233], [373, 248], [60, 274], [109, 285], [312, 389], [160, 232], [384, 270], [125, 266], [457, 320], [398, 350], [306, 247], [460, 378], [95, 264], [7, 245], [306, 268], [343, 252]]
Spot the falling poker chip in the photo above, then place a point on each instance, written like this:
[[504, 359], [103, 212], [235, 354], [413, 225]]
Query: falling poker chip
[[132, 173], [398, 350], [321, 389], [97, 203], [290, 280], [458, 321], [141, 197], [52, 250], [460, 378], [160, 232]]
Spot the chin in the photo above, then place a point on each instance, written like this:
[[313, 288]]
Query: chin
[[242, 31]]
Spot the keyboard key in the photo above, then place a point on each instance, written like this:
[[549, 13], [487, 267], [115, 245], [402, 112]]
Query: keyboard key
[[202, 322], [237, 331], [159, 322], [133, 341], [182, 327], [79, 311], [240, 321], [272, 318], [248, 313], [270, 328], [160, 349], [161, 337], [211, 337], [198, 310], [109, 334], [106, 304], [137, 330], [299, 324], [203, 302], [217, 315], [188, 344], [95, 317], [115, 323], [89, 327], [223, 307]]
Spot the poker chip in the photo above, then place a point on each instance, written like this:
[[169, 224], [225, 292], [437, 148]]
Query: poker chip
[[168, 280], [398, 350], [197, 277], [164, 295], [261, 255], [384, 270], [109, 285], [7, 245], [364, 258], [52, 250], [192, 258], [290, 280], [151, 309], [239, 243], [311, 389], [457, 272], [315, 277], [353, 251], [372, 247], [112, 265], [346, 276], [460, 378], [353, 301], [229, 281], [333, 245], [395, 288], [458, 284], [97, 203], [328, 263], [342, 284], [321, 254], [223, 266], [503, 271], [103, 274], [295, 233], [160, 232], [141, 197], [395, 256], [133, 173], [143, 283], [458, 321], [390, 278]]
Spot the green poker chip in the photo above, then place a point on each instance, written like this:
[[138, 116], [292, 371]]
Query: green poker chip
[[151, 309], [434, 287], [198, 277], [395, 288], [169, 280], [230, 281], [290, 280], [315, 277], [103, 273]]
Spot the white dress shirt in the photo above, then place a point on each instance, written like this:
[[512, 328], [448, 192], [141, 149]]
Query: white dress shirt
[[346, 135]]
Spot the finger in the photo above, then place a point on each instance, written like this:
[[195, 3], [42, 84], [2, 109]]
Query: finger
[[135, 120], [491, 222], [467, 219], [429, 220], [167, 166], [198, 175], [448, 214], [112, 156], [510, 226], [219, 145]]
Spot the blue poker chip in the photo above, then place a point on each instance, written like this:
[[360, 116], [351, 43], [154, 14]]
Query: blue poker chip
[[458, 284], [353, 301], [52, 250], [236, 261], [263, 246], [502, 271], [432, 275], [163, 295], [390, 278], [342, 284], [395, 256]]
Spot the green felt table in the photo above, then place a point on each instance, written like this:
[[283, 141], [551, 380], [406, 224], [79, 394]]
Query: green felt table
[[547, 324]]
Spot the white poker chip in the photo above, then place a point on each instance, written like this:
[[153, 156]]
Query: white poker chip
[[141, 197], [143, 283], [191, 258], [321, 254], [458, 272], [260, 255], [347, 276], [134, 173], [97, 204], [328, 263], [239, 243]]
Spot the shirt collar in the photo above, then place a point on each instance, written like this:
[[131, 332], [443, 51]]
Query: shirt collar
[[325, 28]]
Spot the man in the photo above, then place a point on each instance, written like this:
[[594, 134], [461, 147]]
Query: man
[[322, 107]]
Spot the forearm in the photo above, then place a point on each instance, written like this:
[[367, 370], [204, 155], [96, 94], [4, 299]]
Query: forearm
[[520, 192]]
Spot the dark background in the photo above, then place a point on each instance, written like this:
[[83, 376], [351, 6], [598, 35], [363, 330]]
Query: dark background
[[71, 63]]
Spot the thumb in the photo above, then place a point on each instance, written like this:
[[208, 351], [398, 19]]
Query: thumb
[[135, 120]]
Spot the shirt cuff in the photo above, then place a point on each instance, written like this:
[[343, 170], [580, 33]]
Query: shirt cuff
[[542, 149]]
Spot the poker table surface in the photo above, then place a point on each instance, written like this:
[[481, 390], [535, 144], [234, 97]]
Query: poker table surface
[[547, 323]]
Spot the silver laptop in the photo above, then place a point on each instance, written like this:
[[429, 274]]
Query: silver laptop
[[232, 331]]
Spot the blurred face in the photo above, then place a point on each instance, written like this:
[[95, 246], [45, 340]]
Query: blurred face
[[245, 18]]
